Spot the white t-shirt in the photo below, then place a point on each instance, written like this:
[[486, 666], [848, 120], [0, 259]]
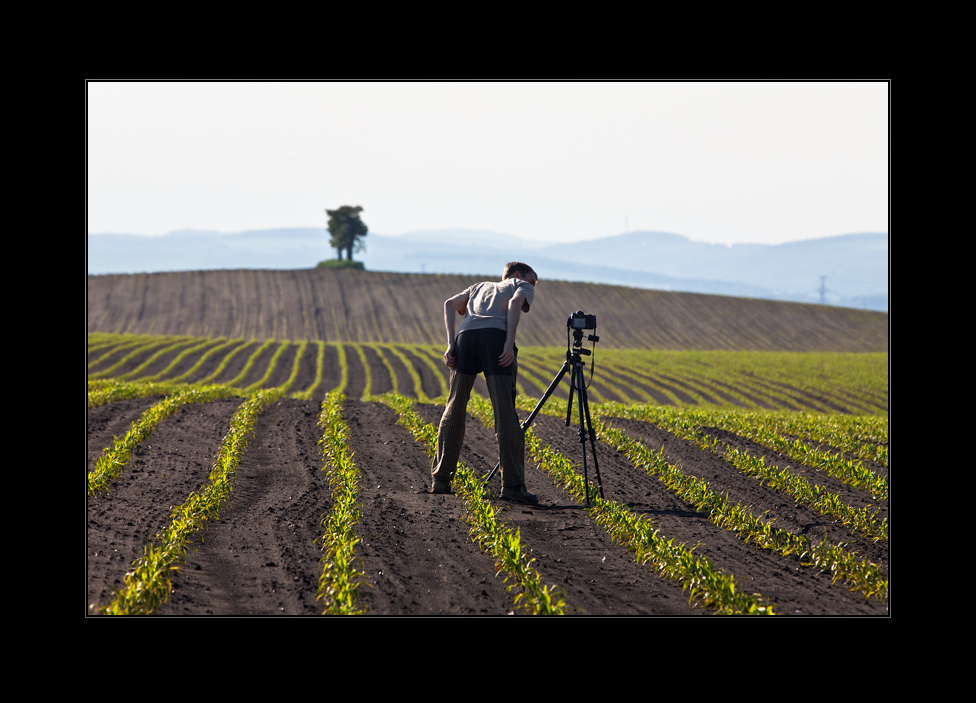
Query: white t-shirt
[[488, 303]]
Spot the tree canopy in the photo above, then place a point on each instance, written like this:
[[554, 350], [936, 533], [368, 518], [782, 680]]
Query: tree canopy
[[347, 230]]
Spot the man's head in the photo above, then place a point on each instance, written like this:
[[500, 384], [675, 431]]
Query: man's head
[[517, 269]]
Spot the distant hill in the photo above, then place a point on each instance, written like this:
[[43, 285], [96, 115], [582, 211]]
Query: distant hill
[[369, 306], [854, 266]]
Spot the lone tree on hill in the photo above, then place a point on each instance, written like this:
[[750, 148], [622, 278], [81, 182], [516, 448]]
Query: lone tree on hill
[[347, 230]]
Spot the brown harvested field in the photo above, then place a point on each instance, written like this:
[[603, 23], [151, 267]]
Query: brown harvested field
[[262, 556], [351, 306]]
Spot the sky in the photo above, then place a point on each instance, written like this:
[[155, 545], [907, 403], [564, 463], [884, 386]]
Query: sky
[[720, 162]]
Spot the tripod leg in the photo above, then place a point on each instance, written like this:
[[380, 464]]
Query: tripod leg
[[586, 430], [549, 391], [569, 405], [580, 399], [592, 433]]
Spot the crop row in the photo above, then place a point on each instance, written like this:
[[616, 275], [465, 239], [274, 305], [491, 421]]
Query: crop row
[[341, 577], [777, 432], [689, 425], [486, 527], [863, 437], [699, 390], [815, 382], [112, 462], [844, 565], [706, 584], [148, 584], [835, 558]]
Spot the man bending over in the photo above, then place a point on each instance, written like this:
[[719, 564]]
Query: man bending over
[[485, 343]]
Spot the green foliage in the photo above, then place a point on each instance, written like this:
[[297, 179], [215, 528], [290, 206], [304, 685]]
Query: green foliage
[[342, 264], [689, 424], [843, 564], [347, 230], [110, 465], [820, 385], [341, 576], [148, 583], [834, 442]]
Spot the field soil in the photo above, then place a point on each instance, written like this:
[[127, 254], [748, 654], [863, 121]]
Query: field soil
[[373, 306], [261, 556]]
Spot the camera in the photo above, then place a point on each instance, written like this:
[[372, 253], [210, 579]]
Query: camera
[[581, 321]]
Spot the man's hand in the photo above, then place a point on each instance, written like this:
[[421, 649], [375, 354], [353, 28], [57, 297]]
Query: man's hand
[[449, 360], [508, 355]]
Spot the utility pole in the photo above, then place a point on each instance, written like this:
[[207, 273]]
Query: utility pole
[[823, 291]]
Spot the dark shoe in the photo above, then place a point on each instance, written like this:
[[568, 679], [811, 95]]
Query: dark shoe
[[441, 487], [519, 495]]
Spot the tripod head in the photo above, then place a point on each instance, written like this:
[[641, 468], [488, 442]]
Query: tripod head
[[579, 322]]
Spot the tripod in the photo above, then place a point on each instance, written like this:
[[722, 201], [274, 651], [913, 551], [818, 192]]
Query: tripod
[[574, 364]]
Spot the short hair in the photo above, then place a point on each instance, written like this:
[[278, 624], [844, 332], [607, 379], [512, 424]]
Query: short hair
[[513, 266]]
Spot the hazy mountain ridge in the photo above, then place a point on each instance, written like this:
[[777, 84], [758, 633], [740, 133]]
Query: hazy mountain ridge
[[855, 265]]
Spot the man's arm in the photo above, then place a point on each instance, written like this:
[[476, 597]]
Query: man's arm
[[456, 305], [514, 315]]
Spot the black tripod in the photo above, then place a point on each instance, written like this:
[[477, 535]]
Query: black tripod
[[575, 364]]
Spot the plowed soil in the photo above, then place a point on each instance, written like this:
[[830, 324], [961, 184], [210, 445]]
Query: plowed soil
[[261, 556], [373, 306]]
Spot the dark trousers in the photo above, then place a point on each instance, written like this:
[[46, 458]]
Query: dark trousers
[[477, 351]]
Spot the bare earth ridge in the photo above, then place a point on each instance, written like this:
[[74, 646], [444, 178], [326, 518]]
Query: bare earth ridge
[[261, 558]]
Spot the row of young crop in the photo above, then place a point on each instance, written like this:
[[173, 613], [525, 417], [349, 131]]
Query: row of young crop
[[820, 383], [836, 558], [706, 585], [341, 576], [487, 528], [861, 436], [689, 424], [147, 583]]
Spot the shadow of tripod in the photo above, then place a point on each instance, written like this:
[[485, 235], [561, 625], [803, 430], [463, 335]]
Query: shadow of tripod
[[578, 322]]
